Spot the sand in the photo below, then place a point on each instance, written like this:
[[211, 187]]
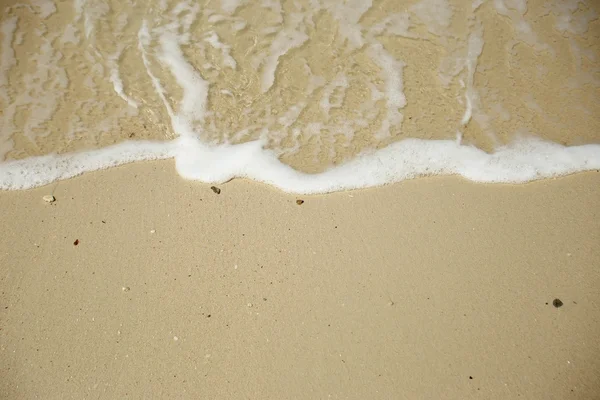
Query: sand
[[135, 283], [435, 288], [543, 83]]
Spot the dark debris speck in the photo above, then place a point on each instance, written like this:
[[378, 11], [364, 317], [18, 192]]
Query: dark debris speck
[[557, 303]]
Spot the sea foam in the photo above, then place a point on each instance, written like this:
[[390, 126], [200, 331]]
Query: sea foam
[[162, 46], [524, 161]]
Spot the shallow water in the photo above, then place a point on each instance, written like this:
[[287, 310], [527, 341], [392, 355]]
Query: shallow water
[[318, 82]]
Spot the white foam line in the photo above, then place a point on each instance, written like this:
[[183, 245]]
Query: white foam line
[[474, 49], [468, 109], [115, 78], [195, 89], [286, 40], [39, 171], [527, 160], [213, 39], [391, 72], [92, 13], [144, 40]]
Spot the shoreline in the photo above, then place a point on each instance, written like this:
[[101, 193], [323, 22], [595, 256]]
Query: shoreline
[[428, 288], [527, 160]]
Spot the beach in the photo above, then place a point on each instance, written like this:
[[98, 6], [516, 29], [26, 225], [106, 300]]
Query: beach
[[308, 199], [430, 288]]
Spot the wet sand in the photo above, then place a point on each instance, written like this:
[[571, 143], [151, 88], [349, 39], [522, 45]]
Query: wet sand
[[318, 84], [432, 288]]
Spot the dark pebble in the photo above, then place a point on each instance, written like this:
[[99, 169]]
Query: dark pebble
[[557, 303], [299, 202], [216, 189]]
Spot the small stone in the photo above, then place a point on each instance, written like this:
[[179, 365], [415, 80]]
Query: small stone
[[126, 288], [216, 189], [249, 305], [175, 338], [49, 198], [299, 202], [153, 231], [557, 303]]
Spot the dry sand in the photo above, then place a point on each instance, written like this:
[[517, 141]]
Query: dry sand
[[430, 289]]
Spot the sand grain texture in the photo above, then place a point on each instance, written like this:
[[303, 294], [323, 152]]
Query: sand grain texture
[[403, 292]]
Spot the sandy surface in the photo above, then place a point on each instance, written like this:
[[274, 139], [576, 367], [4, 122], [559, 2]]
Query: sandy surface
[[429, 289], [538, 74]]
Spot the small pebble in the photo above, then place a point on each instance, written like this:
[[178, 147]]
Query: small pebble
[[216, 189], [299, 202], [153, 231], [49, 198], [249, 305], [175, 338], [557, 303], [126, 288]]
